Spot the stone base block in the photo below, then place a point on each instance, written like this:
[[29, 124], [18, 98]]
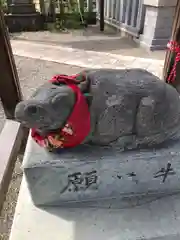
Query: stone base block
[[22, 8], [157, 27], [154, 44], [24, 22], [86, 174], [18, 2]]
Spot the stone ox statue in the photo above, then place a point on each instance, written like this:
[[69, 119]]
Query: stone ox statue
[[127, 109]]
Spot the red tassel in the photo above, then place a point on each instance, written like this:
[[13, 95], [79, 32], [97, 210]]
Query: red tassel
[[174, 47]]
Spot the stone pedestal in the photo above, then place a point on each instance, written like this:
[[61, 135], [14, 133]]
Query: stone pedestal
[[84, 175], [22, 8], [158, 23], [23, 16]]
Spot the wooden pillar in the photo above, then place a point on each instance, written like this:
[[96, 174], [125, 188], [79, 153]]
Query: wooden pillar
[[101, 8], [10, 92], [170, 56]]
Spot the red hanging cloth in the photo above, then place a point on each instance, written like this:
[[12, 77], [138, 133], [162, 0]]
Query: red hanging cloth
[[174, 47]]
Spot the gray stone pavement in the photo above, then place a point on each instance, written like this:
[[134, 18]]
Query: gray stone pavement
[[35, 72], [83, 58], [110, 41]]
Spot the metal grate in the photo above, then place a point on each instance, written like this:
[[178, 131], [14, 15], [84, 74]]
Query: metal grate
[[127, 15]]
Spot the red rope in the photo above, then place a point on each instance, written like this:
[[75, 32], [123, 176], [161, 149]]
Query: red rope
[[174, 47], [64, 78]]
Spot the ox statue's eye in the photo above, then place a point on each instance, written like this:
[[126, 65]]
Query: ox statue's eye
[[32, 110]]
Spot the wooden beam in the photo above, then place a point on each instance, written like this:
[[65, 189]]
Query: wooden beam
[[10, 92], [101, 8], [11, 138]]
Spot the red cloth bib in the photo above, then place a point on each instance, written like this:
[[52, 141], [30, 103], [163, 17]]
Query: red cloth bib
[[78, 124]]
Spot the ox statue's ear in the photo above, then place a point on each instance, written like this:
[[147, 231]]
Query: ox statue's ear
[[85, 87], [64, 100], [63, 96], [89, 98], [84, 82]]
